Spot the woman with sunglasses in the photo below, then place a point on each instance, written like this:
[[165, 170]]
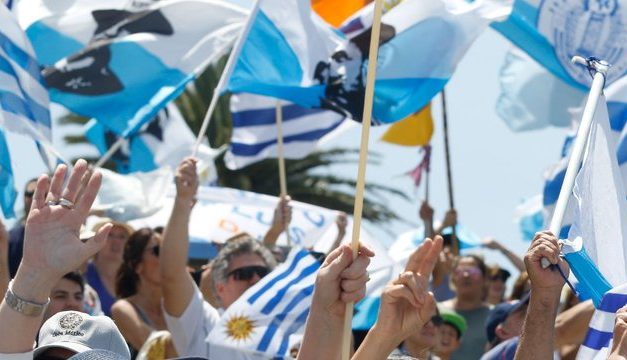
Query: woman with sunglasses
[[138, 285]]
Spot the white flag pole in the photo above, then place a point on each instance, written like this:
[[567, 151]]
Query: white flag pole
[[363, 160], [281, 160], [226, 75], [115, 147], [600, 68]]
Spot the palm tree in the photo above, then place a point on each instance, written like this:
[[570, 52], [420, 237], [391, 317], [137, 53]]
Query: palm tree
[[305, 180]]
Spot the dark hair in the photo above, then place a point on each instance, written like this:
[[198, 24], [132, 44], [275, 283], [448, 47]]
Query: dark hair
[[478, 259], [127, 280], [76, 277]]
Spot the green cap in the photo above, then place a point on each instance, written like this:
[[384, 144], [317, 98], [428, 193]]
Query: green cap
[[454, 319]]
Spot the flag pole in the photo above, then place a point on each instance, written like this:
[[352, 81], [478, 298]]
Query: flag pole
[[449, 177], [281, 160], [599, 67], [115, 147], [225, 76], [429, 229], [363, 160]]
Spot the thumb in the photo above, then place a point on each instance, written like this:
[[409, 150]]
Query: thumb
[[94, 244], [341, 262]]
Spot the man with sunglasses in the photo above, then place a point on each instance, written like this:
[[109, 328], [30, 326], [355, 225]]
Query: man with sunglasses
[[240, 264], [16, 234]]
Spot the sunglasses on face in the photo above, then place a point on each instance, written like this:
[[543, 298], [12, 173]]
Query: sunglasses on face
[[472, 271], [248, 272], [502, 278]]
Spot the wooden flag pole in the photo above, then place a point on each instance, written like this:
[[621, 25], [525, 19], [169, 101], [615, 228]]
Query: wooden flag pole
[[449, 177], [363, 159], [281, 159]]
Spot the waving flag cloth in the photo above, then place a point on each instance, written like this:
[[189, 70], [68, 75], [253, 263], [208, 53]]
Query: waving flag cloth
[[598, 340], [255, 135], [269, 318], [8, 195], [163, 141], [553, 31], [293, 55], [134, 56]]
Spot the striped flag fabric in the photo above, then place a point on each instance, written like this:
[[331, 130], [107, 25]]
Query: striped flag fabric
[[254, 135], [133, 55], [598, 340], [8, 194], [268, 320]]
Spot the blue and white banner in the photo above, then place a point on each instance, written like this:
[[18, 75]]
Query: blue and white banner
[[293, 55], [133, 57], [269, 318], [8, 195], [598, 340], [553, 31], [162, 142], [532, 98], [530, 217], [254, 135]]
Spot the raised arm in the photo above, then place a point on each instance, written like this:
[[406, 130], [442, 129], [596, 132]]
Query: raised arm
[[340, 280], [280, 222], [406, 305], [538, 336], [176, 283], [52, 248], [4, 260], [516, 260]]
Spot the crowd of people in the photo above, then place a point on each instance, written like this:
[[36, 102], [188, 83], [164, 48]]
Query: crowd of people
[[114, 292]]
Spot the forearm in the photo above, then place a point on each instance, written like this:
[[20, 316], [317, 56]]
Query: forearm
[[20, 335], [516, 260], [322, 338], [377, 345], [4, 275], [176, 282], [571, 325], [538, 336], [271, 237]]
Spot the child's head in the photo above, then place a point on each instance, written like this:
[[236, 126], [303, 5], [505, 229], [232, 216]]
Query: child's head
[[451, 331]]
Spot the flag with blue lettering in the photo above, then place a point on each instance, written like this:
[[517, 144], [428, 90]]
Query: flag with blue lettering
[[553, 31], [254, 135], [120, 62], [290, 53], [268, 320], [532, 98], [7, 184], [598, 340]]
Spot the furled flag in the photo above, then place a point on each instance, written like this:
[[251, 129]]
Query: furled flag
[[414, 130], [532, 98], [598, 340], [553, 31], [255, 133], [163, 141], [599, 231], [268, 320], [133, 57], [290, 53], [7, 184]]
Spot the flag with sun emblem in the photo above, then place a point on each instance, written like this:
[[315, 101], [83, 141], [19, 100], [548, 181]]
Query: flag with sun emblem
[[268, 320]]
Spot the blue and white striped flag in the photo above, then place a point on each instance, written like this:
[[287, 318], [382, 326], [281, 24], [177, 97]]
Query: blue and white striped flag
[[290, 53], [131, 56], [7, 184], [268, 320], [598, 341], [255, 133], [553, 31]]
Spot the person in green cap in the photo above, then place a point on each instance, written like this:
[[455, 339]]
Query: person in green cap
[[451, 332]]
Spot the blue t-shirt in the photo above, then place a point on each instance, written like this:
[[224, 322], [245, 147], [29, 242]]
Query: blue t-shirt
[[93, 279], [503, 351]]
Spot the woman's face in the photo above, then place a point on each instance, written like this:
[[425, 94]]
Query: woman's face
[[116, 240], [149, 269]]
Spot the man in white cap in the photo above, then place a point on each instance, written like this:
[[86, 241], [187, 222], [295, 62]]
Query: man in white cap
[[71, 332]]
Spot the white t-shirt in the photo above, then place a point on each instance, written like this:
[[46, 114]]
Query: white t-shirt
[[190, 331]]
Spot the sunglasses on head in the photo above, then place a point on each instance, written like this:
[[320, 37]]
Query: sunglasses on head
[[246, 273]]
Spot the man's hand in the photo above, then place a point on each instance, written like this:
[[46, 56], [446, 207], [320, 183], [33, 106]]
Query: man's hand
[[341, 280], [186, 180], [426, 212], [282, 215], [450, 219], [52, 246], [545, 245]]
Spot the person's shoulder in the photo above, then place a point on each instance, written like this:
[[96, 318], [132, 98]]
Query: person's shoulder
[[122, 307]]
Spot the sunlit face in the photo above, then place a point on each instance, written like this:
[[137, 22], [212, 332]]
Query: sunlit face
[[149, 269], [231, 289], [65, 295], [468, 278], [496, 287], [448, 339], [114, 249]]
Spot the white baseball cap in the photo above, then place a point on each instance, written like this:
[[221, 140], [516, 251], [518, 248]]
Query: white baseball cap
[[80, 332]]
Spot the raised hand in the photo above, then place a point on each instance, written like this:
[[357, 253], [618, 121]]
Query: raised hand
[[52, 246], [545, 245], [186, 180]]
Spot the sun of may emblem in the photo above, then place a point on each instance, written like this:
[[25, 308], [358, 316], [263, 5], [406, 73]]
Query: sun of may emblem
[[239, 328]]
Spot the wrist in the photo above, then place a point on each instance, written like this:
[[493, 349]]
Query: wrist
[[547, 298], [32, 285], [385, 341], [183, 203]]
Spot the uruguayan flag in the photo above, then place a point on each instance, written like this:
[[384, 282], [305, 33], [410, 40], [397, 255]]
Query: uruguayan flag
[[133, 57], [162, 142], [268, 320], [598, 341], [553, 31], [530, 217], [531, 98], [291, 54], [255, 133], [7, 185]]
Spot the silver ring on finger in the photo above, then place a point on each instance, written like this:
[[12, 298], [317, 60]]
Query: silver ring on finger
[[53, 202], [66, 203]]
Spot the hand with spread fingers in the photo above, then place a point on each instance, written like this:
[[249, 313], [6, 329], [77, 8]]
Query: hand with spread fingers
[[406, 304]]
